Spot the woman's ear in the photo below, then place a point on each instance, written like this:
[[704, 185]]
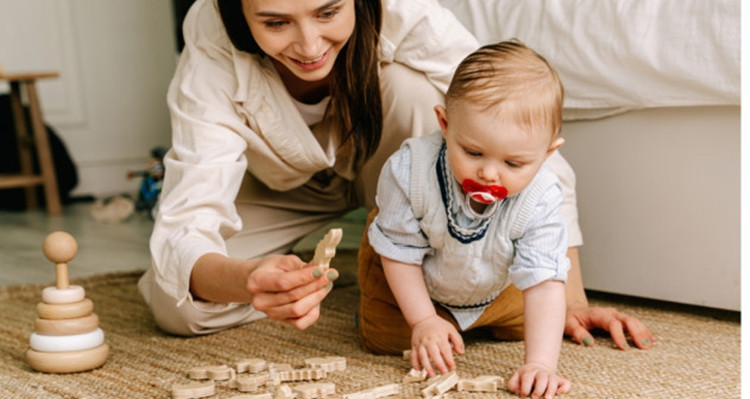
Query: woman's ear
[[442, 117], [555, 145]]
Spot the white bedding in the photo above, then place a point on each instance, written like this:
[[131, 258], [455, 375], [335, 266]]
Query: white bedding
[[617, 55]]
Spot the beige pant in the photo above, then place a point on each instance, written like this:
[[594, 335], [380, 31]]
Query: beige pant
[[273, 222]]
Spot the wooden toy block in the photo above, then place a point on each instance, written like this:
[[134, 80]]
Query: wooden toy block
[[67, 362], [438, 385], [415, 375], [65, 310], [221, 373], [251, 366], [304, 374], [250, 383], [406, 355], [275, 367], [484, 383], [315, 390], [327, 363], [375, 393], [326, 248], [78, 325], [284, 392], [66, 343], [213, 372], [73, 293], [198, 373], [193, 390]]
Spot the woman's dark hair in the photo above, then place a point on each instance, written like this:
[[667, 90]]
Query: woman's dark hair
[[355, 92]]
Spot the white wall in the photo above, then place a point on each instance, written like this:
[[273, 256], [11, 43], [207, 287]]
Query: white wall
[[659, 203], [115, 60]]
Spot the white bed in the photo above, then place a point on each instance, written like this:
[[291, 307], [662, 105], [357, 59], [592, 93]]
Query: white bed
[[652, 126]]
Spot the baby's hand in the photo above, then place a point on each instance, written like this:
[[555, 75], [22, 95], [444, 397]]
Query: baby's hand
[[538, 382], [432, 341]]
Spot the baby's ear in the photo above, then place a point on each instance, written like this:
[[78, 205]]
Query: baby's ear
[[442, 117], [555, 145]]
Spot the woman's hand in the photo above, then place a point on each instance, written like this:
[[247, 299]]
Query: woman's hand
[[289, 290], [432, 341], [538, 382], [581, 319]]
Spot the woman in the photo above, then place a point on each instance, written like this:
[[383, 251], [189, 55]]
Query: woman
[[283, 113]]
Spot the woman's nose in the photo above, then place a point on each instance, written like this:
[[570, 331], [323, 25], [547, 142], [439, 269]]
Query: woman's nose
[[307, 41]]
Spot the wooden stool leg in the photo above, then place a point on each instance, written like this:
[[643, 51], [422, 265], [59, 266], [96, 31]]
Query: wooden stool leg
[[24, 145], [46, 165]]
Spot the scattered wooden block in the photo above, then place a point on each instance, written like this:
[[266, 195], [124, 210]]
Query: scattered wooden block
[[315, 390], [484, 383], [415, 375], [221, 373], [327, 363], [251, 366], [326, 248], [193, 390], [198, 373], [284, 392], [438, 385], [305, 374], [375, 393], [250, 383], [255, 396]]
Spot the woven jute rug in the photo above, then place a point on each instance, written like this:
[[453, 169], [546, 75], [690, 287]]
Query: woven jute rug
[[696, 356]]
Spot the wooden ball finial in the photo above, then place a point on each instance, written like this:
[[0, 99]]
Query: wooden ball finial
[[60, 247]]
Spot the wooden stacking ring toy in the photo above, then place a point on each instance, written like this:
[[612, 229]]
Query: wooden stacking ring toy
[[66, 343], [65, 310], [78, 325], [67, 337], [73, 293], [68, 362]]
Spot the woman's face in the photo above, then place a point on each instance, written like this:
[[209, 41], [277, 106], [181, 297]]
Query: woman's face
[[303, 36]]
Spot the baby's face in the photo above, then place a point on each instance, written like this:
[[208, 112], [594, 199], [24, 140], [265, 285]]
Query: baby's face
[[491, 149]]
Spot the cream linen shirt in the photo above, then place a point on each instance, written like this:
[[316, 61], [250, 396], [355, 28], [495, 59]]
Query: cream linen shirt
[[231, 114]]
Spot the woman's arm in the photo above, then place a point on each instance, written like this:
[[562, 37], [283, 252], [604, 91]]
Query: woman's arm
[[282, 286]]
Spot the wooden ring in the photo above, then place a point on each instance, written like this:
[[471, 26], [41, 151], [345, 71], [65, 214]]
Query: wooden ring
[[59, 311], [66, 343], [67, 362], [73, 293], [67, 326]]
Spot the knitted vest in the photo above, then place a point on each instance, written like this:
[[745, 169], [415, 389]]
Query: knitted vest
[[468, 267]]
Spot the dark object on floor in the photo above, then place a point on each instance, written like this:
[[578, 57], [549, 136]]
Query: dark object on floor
[[65, 169], [153, 176]]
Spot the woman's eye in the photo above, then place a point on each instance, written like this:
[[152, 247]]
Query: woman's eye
[[329, 13], [275, 24]]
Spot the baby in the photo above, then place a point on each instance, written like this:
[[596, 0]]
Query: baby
[[468, 233]]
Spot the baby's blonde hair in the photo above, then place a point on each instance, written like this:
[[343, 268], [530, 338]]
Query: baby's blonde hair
[[515, 78]]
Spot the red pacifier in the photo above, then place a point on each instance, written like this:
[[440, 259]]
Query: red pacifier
[[483, 194]]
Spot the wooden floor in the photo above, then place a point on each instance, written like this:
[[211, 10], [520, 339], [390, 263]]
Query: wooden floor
[[102, 247]]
